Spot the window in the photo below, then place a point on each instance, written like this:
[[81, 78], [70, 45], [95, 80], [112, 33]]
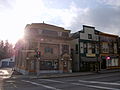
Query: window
[[49, 33], [89, 36], [85, 48], [93, 48], [46, 65], [33, 45], [49, 65], [76, 48], [65, 48], [48, 50], [65, 34]]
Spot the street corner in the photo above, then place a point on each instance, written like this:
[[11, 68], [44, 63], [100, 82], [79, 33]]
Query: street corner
[[4, 72]]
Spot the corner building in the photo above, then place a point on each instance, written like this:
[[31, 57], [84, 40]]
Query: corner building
[[52, 42]]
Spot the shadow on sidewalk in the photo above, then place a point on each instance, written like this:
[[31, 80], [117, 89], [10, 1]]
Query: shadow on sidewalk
[[16, 73]]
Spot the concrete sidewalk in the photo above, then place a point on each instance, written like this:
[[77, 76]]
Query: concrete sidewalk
[[56, 75]]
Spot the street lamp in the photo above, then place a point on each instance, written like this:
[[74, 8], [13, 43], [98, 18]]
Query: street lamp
[[61, 59], [27, 58]]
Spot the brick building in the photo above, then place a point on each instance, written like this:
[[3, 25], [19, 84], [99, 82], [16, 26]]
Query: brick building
[[53, 45], [109, 51]]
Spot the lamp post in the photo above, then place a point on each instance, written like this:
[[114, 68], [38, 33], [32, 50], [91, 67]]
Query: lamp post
[[27, 65]]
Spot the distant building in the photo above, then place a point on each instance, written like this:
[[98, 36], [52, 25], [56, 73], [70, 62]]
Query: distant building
[[109, 51], [85, 49], [44, 49], [7, 62], [119, 51]]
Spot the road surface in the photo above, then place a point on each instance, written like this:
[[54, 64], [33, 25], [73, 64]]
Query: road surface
[[108, 81]]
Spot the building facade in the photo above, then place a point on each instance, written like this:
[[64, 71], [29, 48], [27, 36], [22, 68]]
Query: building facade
[[52, 43], [109, 51], [85, 49], [119, 50]]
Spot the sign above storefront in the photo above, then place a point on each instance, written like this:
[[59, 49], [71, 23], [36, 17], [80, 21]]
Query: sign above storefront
[[90, 55]]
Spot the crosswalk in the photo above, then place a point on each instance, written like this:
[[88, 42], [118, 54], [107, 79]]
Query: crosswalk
[[38, 84], [63, 84]]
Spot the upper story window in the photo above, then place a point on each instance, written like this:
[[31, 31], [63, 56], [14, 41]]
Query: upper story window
[[89, 36], [93, 48], [33, 45], [49, 33], [65, 34], [85, 48], [104, 47], [48, 50], [76, 48], [65, 48], [33, 31]]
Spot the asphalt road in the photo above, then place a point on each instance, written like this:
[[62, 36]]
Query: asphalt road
[[109, 81]]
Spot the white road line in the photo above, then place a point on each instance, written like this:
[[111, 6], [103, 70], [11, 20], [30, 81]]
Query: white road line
[[93, 86], [52, 80], [99, 82], [34, 83], [97, 77]]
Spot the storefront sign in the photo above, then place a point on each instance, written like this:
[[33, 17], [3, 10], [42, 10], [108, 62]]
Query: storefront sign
[[90, 55]]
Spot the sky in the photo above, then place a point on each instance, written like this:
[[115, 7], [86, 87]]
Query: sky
[[104, 15]]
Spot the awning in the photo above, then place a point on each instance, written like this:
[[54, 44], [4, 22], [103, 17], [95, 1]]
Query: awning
[[90, 59]]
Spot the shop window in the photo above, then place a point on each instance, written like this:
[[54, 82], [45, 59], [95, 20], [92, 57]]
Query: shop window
[[48, 65]]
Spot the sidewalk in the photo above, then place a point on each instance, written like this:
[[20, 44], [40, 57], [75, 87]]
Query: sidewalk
[[56, 75]]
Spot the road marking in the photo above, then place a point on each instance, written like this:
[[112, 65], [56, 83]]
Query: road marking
[[97, 77], [52, 80], [14, 85], [99, 82], [34, 83], [93, 86]]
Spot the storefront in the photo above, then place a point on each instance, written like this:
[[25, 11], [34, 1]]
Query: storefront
[[90, 63], [49, 65], [110, 62]]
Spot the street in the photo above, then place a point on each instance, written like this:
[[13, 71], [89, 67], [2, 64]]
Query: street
[[108, 81]]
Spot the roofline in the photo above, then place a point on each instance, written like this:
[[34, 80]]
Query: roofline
[[88, 26], [48, 25], [107, 34]]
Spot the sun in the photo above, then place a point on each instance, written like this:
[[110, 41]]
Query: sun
[[11, 31]]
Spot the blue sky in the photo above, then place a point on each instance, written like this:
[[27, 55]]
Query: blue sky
[[70, 14]]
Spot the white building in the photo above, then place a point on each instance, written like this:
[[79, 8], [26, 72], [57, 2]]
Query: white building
[[7, 62]]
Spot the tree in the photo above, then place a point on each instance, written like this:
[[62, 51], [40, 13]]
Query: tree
[[6, 49]]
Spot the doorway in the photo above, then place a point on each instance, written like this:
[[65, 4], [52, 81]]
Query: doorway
[[103, 64], [65, 66]]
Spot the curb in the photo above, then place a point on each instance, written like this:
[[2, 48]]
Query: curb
[[52, 76], [60, 76]]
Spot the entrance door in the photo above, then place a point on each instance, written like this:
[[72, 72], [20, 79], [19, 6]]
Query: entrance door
[[33, 67], [65, 66], [103, 64]]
